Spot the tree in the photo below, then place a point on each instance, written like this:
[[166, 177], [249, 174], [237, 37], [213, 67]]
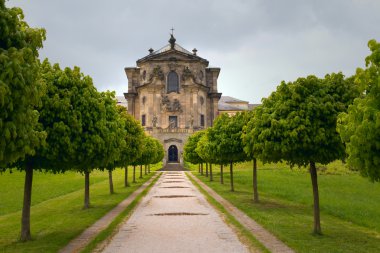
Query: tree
[[133, 138], [74, 115], [297, 123], [159, 152], [248, 148], [226, 146], [190, 155], [20, 86], [205, 150], [113, 135], [359, 128]]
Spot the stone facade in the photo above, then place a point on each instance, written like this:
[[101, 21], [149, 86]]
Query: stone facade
[[173, 93]]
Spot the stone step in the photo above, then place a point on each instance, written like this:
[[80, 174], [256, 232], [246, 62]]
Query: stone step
[[173, 167]]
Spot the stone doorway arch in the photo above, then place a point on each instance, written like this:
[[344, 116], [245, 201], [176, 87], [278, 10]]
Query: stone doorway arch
[[173, 154]]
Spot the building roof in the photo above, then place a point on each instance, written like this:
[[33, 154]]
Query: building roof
[[172, 47], [168, 47], [228, 99]]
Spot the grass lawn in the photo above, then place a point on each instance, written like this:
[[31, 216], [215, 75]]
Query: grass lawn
[[350, 206], [57, 200]]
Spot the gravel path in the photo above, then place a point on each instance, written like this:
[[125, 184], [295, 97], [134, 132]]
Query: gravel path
[[175, 217]]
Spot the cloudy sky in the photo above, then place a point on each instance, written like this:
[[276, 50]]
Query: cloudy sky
[[257, 44]]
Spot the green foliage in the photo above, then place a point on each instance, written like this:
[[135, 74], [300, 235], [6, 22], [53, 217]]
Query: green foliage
[[225, 139], [190, 154], [133, 137], [205, 149], [159, 152], [359, 128], [297, 122], [73, 114], [152, 152], [113, 133], [20, 87]]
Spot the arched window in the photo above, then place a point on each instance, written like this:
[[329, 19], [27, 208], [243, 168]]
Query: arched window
[[173, 82]]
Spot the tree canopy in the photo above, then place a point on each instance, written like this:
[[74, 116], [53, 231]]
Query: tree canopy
[[359, 128], [190, 154], [297, 122], [20, 86]]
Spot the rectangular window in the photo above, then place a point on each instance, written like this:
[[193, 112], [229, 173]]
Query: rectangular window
[[202, 120], [173, 122], [143, 120]]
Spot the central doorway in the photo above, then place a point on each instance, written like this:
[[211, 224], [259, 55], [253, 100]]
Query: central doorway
[[173, 154]]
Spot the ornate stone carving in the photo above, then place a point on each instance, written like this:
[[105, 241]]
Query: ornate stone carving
[[187, 74], [157, 72], [168, 106]]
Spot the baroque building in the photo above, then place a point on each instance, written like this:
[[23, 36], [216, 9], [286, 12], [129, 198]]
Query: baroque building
[[174, 92]]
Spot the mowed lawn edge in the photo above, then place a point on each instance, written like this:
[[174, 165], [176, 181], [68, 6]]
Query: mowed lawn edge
[[290, 219], [56, 221]]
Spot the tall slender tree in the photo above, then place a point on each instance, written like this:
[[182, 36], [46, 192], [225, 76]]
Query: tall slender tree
[[226, 143], [297, 123], [248, 148]]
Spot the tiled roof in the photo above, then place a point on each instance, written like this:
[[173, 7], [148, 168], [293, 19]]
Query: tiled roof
[[228, 99]]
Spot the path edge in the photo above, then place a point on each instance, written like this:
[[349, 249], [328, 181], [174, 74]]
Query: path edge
[[80, 242], [267, 239]]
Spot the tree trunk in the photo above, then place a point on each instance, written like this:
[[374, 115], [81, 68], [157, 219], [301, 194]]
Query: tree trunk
[[199, 168], [206, 169], [232, 177], [25, 218], [126, 184], [255, 192], [140, 171], [146, 169], [202, 169], [86, 190], [314, 181], [211, 179], [221, 174], [149, 168], [134, 174], [110, 181]]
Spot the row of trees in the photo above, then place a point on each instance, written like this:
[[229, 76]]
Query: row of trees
[[308, 121], [55, 120]]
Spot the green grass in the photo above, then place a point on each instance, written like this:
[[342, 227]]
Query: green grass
[[56, 213], [350, 206]]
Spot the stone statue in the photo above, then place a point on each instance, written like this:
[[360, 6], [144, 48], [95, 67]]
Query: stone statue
[[154, 120], [191, 121]]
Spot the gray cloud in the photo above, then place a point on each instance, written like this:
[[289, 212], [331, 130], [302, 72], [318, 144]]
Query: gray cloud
[[256, 43]]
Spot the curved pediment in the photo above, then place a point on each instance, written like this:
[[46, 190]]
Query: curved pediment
[[173, 140]]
